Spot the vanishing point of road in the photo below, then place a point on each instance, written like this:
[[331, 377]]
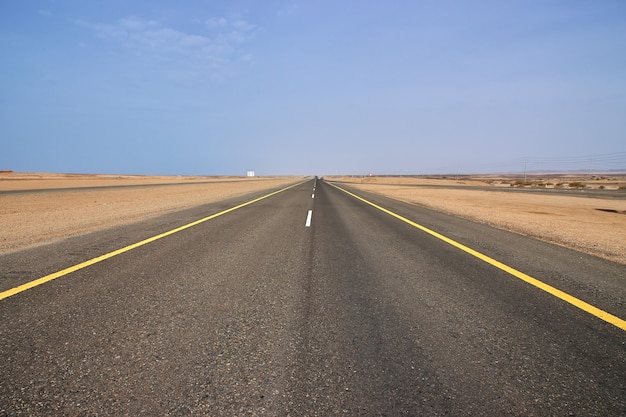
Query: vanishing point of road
[[311, 300]]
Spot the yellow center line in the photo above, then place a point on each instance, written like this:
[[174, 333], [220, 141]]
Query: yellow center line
[[47, 278], [595, 311]]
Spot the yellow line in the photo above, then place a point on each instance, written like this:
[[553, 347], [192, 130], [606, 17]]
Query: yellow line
[[601, 314], [47, 278]]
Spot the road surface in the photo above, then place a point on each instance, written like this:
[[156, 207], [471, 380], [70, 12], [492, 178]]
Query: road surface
[[309, 301]]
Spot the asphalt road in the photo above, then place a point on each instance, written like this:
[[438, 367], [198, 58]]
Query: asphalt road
[[359, 313]]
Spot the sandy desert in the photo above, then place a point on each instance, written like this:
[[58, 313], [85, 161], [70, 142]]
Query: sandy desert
[[84, 203], [595, 225], [81, 204]]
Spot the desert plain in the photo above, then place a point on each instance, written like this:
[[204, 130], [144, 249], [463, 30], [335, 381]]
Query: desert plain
[[37, 208]]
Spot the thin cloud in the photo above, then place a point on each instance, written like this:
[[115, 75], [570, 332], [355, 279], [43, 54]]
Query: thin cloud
[[232, 30], [133, 23], [288, 10], [216, 22], [149, 37], [247, 58]]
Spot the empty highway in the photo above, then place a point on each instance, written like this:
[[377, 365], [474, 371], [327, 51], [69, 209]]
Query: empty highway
[[312, 300]]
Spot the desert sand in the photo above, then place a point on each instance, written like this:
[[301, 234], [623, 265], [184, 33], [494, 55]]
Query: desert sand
[[596, 226], [592, 225], [75, 208]]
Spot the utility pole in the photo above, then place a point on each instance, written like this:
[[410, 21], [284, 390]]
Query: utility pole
[[524, 171]]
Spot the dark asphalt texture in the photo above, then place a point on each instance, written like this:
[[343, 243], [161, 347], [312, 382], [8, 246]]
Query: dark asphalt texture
[[252, 313]]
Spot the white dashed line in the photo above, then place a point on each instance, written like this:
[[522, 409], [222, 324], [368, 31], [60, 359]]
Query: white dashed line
[[308, 218], [313, 195]]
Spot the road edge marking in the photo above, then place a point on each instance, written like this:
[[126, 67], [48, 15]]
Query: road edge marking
[[576, 302], [66, 271]]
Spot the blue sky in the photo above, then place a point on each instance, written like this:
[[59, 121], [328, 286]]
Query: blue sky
[[310, 87]]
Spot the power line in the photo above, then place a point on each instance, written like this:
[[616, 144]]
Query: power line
[[607, 161], [608, 157]]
